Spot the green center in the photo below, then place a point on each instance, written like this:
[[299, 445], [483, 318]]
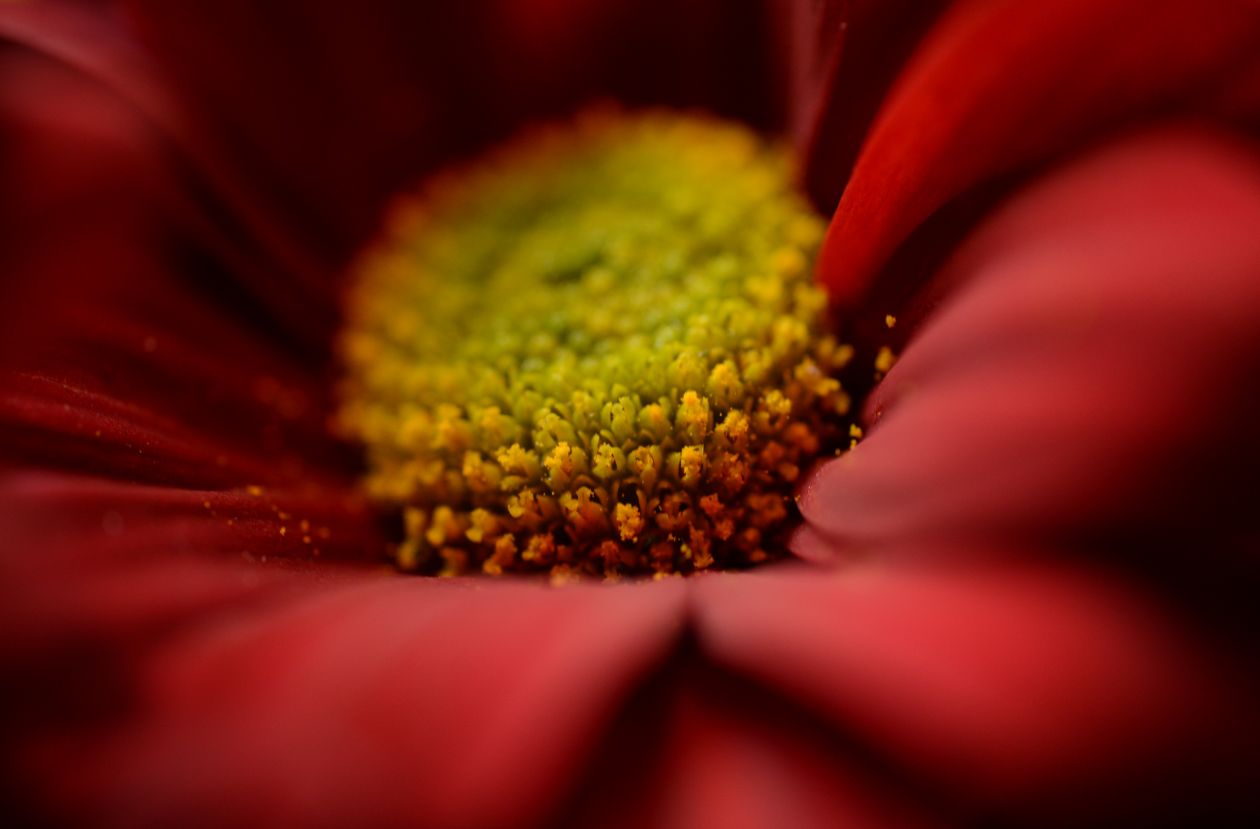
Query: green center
[[597, 350]]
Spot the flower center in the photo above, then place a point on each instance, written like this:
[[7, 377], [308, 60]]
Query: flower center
[[596, 350]]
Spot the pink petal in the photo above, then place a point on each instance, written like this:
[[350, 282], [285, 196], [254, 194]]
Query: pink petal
[[1089, 381], [1027, 694], [999, 86]]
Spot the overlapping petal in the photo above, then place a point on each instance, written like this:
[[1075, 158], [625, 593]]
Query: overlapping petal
[[332, 107], [1013, 692], [73, 69], [844, 55], [791, 770], [130, 349], [172, 652], [1089, 380], [999, 87], [183, 655]]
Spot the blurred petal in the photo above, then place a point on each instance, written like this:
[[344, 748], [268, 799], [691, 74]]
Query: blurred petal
[[64, 147], [330, 107], [1090, 381], [87, 560], [1026, 694], [733, 760], [999, 86], [84, 108], [326, 699], [128, 350]]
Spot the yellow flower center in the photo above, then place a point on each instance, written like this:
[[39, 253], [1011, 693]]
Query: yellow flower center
[[597, 350]]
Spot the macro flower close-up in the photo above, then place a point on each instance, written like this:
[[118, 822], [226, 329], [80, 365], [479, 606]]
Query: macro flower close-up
[[530, 413]]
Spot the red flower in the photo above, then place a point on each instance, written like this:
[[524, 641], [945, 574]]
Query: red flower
[[1026, 598]]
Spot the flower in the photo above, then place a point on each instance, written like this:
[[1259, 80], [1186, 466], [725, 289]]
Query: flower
[[1024, 599]]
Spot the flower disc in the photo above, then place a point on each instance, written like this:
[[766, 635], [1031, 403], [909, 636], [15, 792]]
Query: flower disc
[[596, 350]]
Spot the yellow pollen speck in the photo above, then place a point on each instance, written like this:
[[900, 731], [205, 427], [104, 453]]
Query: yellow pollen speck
[[629, 521], [885, 360], [890, 320], [598, 351]]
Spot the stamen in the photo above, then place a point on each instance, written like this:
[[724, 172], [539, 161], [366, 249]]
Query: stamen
[[598, 350]]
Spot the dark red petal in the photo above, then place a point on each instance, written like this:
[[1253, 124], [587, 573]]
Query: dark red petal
[[323, 699], [329, 107], [844, 54], [126, 349], [1025, 694], [997, 87], [62, 145], [1090, 381], [88, 115]]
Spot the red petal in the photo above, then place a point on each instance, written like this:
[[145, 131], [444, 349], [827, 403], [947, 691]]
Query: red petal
[[378, 701], [999, 86], [733, 760], [1036, 695], [99, 561], [1090, 380]]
